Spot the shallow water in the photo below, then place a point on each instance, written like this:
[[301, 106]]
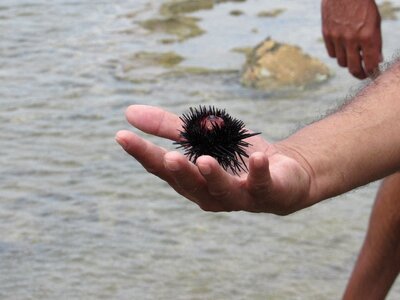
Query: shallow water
[[79, 219]]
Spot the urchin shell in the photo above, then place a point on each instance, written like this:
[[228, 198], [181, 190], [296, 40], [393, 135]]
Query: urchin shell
[[212, 131]]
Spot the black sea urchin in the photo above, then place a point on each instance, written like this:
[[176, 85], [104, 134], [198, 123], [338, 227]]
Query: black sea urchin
[[211, 131]]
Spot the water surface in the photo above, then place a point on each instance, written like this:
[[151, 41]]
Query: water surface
[[79, 219]]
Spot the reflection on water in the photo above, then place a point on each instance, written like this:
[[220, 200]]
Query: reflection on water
[[81, 220]]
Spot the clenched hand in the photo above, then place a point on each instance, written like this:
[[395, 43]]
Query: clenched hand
[[352, 33]]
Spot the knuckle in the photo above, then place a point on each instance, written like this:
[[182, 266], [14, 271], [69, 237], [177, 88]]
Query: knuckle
[[349, 37], [326, 33], [365, 37], [334, 36]]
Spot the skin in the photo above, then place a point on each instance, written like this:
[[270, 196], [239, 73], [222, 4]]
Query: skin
[[206, 183], [379, 262], [322, 160], [352, 34]]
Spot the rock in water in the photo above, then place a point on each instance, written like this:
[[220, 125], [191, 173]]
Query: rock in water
[[388, 11], [181, 26], [272, 65], [270, 13], [177, 7]]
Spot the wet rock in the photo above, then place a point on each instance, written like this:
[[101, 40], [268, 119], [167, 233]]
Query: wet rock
[[388, 11], [181, 26], [167, 41], [223, 1], [175, 22], [178, 7], [236, 12], [243, 50], [146, 66], [189, 71], [270, 13], [145, 59], [272, 65], [150, 66]]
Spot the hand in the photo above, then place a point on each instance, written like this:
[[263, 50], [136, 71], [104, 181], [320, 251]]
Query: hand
[[352, 34], [276, 182]]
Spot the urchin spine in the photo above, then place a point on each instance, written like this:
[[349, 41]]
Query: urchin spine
[[212, 131]]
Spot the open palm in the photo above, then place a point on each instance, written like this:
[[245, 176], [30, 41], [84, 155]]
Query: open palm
[[277, 182]]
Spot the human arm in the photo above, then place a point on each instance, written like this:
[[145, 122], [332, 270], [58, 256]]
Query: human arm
[[378, 263], [356, 145], [352, 33]]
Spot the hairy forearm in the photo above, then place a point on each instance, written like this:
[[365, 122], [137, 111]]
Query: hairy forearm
[[354, 146]]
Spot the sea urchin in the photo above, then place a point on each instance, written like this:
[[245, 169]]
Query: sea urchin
[[211, 131]]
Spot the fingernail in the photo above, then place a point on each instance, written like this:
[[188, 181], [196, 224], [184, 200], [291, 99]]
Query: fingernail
[[172, 165]]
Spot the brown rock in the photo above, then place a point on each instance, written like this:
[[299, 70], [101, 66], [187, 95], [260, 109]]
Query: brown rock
[[181, 26], [388, 11], [177, 7], [270, 13], [272, 65]]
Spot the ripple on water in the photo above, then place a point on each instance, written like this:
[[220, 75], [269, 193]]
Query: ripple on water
[[81, 219]]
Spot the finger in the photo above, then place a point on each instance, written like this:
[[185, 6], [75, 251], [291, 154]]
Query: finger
[[221, 185], [354, 62], [340, 54], [189, 182], [330, 47], [259, 182], [259, 178], [371, 46], [372, 56], [154, 120], [149, 155]]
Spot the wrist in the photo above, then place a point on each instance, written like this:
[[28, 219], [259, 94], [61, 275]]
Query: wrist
[[284, 148]]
